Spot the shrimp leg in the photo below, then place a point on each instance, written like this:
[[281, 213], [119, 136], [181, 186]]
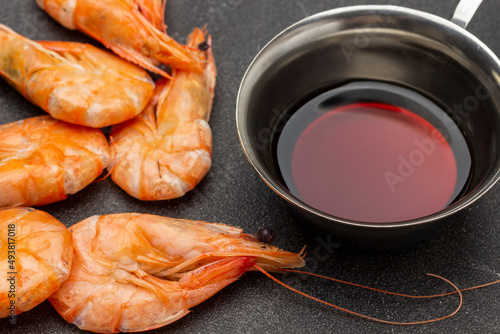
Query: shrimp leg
[[154, 12]]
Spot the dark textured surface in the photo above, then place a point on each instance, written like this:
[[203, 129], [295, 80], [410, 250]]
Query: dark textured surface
[[467, 253]]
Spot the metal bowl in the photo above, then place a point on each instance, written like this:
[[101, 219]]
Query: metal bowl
[[396, 45]]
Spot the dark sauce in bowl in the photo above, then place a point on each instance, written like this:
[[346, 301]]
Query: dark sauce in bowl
[[373, 152]]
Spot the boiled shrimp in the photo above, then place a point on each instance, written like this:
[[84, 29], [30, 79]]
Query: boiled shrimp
[[74, 82], [163, 155], [156, 269], [133, 29], [43, 160], [36, 253]]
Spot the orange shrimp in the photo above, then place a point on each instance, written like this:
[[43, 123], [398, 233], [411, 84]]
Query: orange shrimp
[[131, 28], [36, 256], [43, 160], [155, 270], [165, 156], [74, 82]]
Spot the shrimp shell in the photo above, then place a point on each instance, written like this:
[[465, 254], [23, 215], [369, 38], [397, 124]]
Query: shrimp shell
[[165, 155], [43, 160], [43, 254], [74, 82], [155, 269], [133, 29]]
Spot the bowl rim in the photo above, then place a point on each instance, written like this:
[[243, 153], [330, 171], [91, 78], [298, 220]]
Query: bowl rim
[[279, 189]]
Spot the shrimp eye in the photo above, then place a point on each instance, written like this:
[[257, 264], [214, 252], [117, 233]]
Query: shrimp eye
[[266, 235], [203, 46]]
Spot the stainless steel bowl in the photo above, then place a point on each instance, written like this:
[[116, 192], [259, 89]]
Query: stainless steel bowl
[[397, 45]]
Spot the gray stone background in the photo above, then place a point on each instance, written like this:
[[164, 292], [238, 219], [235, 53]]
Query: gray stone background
[[467, 253]]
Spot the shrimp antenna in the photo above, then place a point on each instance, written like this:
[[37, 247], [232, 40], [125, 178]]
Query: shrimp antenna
[[388, 292], [366, 316], [112, 162]]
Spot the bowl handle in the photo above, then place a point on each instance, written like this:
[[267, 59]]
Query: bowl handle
[[465, 11]]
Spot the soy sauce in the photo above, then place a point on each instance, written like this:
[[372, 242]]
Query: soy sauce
[[373, 152]]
